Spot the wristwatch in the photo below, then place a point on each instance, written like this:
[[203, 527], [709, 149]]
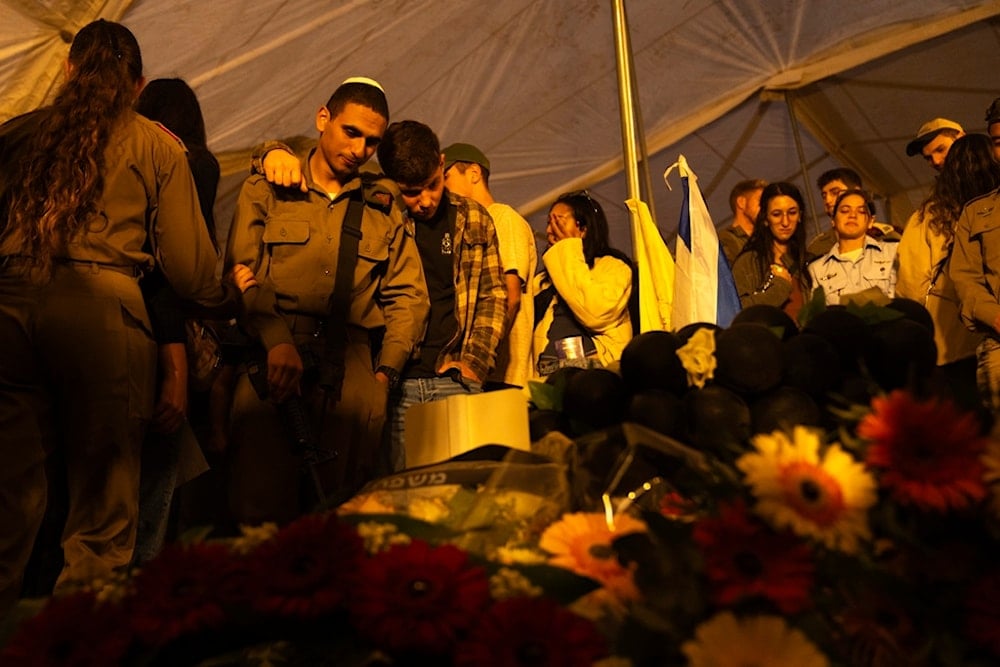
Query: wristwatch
[[391, 373]]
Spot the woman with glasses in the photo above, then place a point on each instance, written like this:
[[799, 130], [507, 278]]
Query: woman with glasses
[[583, 295], [771, 268]]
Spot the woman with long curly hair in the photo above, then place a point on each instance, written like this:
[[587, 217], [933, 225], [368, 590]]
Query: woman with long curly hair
[[969, 171], [771, 269], [91, 197]]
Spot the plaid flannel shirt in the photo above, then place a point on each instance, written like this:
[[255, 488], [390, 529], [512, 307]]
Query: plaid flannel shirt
[[480, 292]]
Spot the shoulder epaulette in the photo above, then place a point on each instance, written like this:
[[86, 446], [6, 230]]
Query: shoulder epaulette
[[379, 191], [180, 142], [990, 194]]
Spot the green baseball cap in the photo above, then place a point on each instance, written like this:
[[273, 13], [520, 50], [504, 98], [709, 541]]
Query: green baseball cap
[[465, 153]]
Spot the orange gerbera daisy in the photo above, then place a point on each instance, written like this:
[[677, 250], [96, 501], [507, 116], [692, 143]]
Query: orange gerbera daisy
[[928, 452], [581, 542]]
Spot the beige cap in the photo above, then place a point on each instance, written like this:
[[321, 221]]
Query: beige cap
[[928, 131]]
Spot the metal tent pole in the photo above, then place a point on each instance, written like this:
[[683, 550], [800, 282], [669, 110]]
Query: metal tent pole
[[626, 104], [789, 102]]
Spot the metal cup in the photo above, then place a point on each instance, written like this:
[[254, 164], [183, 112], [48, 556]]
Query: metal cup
[[570, 348]]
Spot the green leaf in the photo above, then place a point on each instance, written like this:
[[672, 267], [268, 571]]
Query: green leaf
[[546, 396], [813, 307], [195, 535], [873, 314]]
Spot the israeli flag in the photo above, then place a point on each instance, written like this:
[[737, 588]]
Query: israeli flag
[[704, 289]]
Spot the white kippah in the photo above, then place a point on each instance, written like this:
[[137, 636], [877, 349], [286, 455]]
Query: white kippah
[[365, 80]]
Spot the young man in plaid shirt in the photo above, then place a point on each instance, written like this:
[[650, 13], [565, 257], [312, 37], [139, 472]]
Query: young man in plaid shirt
[[458, 248]]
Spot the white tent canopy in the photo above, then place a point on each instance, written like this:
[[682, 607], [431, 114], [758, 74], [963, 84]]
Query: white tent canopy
[[533, 82]]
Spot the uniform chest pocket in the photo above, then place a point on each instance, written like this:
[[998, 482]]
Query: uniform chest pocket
[[985, 230], [983, 225], [284, 239], [373, 247], [286, 230], [879, 271], [832, 280]]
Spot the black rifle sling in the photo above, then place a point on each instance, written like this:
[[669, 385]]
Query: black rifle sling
[[340, 299]]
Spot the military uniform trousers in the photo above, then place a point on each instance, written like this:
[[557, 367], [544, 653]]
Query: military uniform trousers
[[268, 480], [77, 372]]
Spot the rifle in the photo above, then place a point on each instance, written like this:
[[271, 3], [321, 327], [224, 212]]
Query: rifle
[[293, 414]]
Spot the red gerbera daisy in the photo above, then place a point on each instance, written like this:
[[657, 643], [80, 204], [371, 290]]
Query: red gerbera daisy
[[982, 621], [305, 571], [415, 597], [876, 629], [531, 631], [74, 631], [184, 590], [928, 452], [745, 559]]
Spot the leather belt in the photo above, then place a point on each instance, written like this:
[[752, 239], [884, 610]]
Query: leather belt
[[23, 261], [300, 324]]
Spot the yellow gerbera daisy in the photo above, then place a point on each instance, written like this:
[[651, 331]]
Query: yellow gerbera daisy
[[726, 641], [991, 474], [824, 498]]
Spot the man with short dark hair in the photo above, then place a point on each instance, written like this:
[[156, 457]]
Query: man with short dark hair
[[831, 183], [934, 139], [467, 173], [993, 126], [356, 326], [457, 243], [744, 201]]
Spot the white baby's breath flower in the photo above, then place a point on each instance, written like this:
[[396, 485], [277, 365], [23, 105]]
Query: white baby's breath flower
[[431, 510], [252, 537], [520, 556], [509, 583], [380, 536], [113, 590]]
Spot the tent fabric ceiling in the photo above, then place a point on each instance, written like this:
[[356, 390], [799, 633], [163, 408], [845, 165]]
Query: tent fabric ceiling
[[533, 82]]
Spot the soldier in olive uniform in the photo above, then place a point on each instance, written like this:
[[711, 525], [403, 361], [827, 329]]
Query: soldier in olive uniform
[[93, 195], [291, 238]]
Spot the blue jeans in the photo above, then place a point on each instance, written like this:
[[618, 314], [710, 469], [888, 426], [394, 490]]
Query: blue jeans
[[157, 481], [412, 392]]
